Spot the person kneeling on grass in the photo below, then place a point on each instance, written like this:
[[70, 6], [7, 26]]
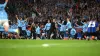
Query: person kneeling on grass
[[72, 33]]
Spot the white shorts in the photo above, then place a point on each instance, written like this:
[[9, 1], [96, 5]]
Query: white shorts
[[4, 23]]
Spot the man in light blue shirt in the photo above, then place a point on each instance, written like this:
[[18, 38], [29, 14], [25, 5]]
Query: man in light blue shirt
[[47, 28], [4, 16], [84, 28], [69, 26], [62, 30], [24, 29], [19, 22]]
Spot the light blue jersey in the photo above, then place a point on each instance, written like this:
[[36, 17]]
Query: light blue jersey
[[3, 14], [85, 26], [68, 25], [73, 31], [13, 26], [28, 32], [23, 26], [62, 27], [5, 33], [26, 23], [38, 30], [48, 26], [11, 30], [19, 23]]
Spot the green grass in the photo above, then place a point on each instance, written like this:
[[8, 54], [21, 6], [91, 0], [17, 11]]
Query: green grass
[[55, 48]]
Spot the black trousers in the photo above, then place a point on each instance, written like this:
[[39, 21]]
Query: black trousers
[[48, 34], [53, 32], [69, 32], [0, 35], [33, 34], [24, 33], [61, 34], [38, 35], [98, 35], [84, 34], [20, 31], [91, 33]]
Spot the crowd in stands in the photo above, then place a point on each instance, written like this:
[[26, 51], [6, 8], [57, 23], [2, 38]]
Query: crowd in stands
[[52, 19]]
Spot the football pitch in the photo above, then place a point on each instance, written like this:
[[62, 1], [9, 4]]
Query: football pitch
[[49, 48]]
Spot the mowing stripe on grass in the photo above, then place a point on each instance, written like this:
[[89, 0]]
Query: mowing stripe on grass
[[49, 45]]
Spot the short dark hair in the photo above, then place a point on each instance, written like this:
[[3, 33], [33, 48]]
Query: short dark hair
[[84, 20]]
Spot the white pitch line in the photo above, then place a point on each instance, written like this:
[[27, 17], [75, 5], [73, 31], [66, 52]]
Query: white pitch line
[[48, 45]]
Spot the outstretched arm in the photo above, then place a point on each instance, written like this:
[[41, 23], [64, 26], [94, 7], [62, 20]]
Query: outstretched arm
[[6, 1], [16, 17]]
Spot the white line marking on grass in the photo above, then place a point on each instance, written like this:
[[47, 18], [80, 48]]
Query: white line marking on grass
[[48, 45], [45, 45]]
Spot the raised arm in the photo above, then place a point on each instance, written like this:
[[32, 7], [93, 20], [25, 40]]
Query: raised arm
[[16, 17], [6, 1], [26, 19]]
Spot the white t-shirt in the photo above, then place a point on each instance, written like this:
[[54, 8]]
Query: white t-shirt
[[91, 24]]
